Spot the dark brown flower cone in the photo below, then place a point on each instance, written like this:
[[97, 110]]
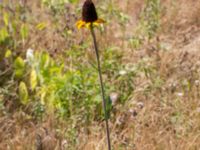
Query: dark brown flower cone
[[89, 13]]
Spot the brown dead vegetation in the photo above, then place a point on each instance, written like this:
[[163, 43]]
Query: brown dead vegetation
[[169, 116]]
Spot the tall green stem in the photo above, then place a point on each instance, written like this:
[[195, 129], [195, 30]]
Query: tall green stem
[[102, 87]]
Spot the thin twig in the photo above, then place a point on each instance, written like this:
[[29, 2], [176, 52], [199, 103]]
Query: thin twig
[[102, 87]]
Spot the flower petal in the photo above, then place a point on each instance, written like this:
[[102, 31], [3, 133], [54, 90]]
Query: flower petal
[[80, 24], [88, 25], [95, 24], [100, 21]]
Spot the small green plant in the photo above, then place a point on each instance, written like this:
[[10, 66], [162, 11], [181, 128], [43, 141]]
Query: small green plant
[[57, 6], [149, 23], [150, 19]]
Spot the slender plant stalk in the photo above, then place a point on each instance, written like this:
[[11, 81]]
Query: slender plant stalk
[[102, 87]]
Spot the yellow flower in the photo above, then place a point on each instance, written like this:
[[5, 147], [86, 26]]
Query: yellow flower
[[89, 16], [82, 24]]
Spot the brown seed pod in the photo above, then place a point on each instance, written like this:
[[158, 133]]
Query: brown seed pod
[[89, 13]]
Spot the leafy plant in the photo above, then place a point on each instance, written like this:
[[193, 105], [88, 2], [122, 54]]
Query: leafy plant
[[150, 19], [19, 66], [149, 23], [23, 93]]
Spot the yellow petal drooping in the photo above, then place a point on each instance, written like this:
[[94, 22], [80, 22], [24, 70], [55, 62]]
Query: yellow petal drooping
[[100, 21], [82, 24]]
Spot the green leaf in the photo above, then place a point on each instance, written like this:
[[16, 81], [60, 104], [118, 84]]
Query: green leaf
[[42, 93], [23, 93], [33, 79], [45, 60], [19, 66], [3, 34], [8, 53], [24, 31], [5, 18]]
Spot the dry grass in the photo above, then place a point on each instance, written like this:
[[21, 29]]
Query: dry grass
[[156, 117]]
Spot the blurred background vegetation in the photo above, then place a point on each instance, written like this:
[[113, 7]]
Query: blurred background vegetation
[[49, 89]]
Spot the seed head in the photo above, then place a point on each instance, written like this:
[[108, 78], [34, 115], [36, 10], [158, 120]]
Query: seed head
[[89, 13]]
